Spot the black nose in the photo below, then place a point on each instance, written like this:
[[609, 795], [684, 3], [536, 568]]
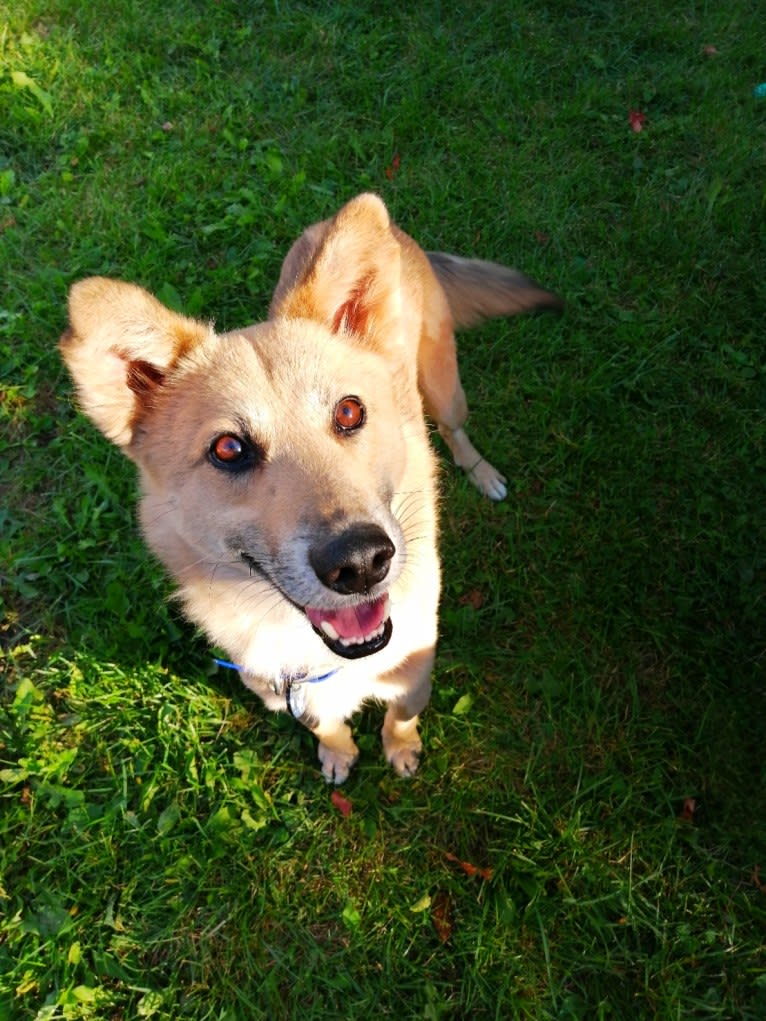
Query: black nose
[[353, 561]]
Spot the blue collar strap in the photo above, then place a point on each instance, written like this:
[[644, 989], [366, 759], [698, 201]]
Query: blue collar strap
[[226, 663]]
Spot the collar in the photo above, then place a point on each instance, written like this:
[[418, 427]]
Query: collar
[[291, 684]]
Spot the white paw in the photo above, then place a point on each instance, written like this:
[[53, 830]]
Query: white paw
[[336, 763], [488, 480], [404, 756]]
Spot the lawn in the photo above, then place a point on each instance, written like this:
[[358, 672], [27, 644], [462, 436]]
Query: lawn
[[586, 838]]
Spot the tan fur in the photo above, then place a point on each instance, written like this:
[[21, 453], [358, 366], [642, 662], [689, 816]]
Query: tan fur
[[321, 520]]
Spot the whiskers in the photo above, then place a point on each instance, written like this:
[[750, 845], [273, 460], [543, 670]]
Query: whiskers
[[258, 599], [245, 591], [415, 517], [162, 511]]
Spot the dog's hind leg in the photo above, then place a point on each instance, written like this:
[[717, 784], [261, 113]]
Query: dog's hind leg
[[444, 398]]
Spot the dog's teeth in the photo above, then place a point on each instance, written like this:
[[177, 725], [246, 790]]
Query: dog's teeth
[[329, 630]]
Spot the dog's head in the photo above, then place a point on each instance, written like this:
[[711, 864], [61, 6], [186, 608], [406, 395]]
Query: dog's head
[[292, 452]]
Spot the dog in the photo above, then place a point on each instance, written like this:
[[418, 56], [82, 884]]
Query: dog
[[288, 483]]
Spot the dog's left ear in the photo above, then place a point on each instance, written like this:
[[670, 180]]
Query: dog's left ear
[[346, 274]]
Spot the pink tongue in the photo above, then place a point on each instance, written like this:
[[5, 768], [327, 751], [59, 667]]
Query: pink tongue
[[351, 621]]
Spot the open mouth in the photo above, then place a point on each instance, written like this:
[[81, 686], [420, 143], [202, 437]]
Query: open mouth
[[353, 631]]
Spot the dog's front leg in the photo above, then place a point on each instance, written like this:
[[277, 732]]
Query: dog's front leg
[[401, 740], [337, 751]]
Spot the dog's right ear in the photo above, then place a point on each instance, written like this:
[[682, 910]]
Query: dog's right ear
[[119, 347]]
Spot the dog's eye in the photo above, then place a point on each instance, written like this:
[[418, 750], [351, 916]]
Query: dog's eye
[[349, 414], [231, 452]]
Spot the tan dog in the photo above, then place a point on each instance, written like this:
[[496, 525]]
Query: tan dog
[[287, 479]]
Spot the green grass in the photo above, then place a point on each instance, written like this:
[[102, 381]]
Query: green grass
[[167, 848]]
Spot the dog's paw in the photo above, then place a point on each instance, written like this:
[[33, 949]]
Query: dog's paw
[[488, 480], [404, 756], [336, 763]]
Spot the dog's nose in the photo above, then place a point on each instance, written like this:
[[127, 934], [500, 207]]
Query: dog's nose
[[353, 561]]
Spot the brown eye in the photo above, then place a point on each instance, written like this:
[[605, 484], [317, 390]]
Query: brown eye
[[232, 453], [349, 414]]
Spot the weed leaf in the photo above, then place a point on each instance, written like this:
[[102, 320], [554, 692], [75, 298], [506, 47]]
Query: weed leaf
[[22, 81]]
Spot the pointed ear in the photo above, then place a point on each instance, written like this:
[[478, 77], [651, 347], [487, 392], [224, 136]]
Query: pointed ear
[[120, 345], [346, 274]]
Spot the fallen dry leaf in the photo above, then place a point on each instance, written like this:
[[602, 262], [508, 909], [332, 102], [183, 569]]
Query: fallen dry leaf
[[342, 803], [757, 879], [441, 915], [395, 163], [474, 599], [468, 868], [690, 806], [637, 120]]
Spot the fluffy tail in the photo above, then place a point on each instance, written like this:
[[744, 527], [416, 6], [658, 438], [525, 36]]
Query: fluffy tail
[[479, 290]]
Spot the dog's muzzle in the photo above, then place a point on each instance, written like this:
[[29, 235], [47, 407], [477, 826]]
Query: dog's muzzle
[[353, 563]]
